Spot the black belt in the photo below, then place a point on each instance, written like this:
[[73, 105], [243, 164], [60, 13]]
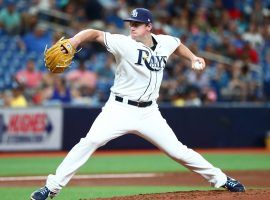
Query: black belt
[[134, 103]]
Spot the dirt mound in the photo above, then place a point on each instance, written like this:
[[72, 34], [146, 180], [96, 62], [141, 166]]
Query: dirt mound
[[251, 194]]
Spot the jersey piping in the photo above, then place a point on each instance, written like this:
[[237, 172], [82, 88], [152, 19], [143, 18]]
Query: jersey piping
[[150, 50], [147, 86]]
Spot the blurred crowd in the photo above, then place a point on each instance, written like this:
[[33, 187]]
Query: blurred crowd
[[232, 35]]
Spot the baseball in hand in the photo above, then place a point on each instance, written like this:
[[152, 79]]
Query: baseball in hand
[[198, 65]]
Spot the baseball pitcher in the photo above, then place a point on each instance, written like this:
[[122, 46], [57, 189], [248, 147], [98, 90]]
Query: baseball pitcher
[[141, 58]]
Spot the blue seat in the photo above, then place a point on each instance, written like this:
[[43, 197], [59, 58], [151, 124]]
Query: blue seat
[[4, 38], [32, 55], [21, 55], [2, 84], [16, 65], [4, 62]]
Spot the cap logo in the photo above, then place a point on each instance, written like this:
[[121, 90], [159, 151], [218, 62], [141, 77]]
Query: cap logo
[[134, 13]]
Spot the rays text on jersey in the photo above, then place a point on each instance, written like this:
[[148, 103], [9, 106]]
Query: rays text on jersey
[[155, 63]]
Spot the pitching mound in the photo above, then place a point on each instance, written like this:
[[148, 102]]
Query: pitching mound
[[200, 195]]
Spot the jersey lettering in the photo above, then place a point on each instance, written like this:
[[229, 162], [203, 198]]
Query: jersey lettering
[[156, 63]]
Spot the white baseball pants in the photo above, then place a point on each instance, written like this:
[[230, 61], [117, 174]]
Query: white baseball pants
[[119, 118]]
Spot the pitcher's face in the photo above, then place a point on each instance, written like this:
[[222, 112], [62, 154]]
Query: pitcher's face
[[138, 30]]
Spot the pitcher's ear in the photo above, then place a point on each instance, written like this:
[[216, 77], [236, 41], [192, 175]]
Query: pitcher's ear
[[149, 26]]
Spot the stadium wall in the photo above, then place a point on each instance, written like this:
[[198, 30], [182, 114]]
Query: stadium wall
[[57, 128], [202, 127]]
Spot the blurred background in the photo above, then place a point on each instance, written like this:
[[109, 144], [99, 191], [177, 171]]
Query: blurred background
[[232, 35]]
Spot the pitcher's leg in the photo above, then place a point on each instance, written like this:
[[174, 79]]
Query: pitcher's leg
[[102, 131], [78, 155], [161, 135]]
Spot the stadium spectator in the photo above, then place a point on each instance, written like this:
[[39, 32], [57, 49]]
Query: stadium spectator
[[219, 78], [209, 96], [37, 5], [36, 40], [10, 18], [237, 30], [236, 89], [85, 96], [257, 15], [29, 77], [57, 94], [247, 52], [82, 77], [41, 94], [198, 79], [113, 18], [266, 76], [29, 22], [48, 79], [17, 99], [253, 36], [193, 96]]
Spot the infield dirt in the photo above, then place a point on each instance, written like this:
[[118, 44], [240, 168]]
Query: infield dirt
[[200, 195], [251, 179]]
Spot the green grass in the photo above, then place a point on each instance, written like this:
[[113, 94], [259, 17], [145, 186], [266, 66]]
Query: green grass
[[240, 161], [76, 193], [130, 163], [119, 164]]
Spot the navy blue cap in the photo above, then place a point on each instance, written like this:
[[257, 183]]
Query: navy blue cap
[[140, 15]]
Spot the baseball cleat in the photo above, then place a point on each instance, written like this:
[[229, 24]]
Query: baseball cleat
[[42, 194], [233, 185]]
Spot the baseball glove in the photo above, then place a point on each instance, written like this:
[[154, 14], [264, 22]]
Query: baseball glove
[[59, 56]]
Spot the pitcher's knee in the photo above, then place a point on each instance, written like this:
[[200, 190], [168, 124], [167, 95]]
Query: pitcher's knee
[[176, 156], [180, 153], [92, 142]]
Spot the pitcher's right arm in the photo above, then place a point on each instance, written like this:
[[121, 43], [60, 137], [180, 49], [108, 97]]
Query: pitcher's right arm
[[88, 35]]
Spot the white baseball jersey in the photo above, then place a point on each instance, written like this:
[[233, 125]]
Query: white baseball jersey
[[139, 69], [138, 78]]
